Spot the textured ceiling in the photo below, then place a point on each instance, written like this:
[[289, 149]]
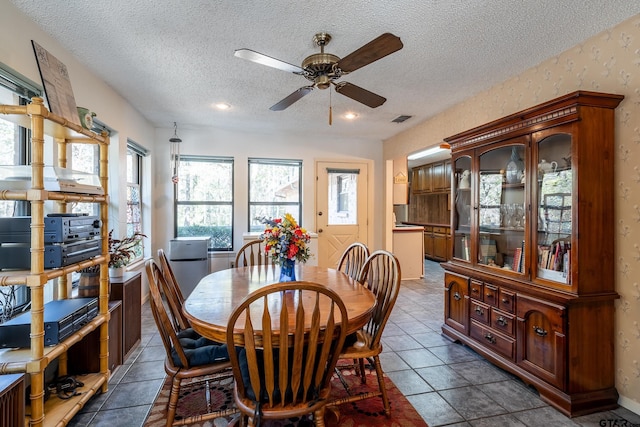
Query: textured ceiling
[[172, 59]]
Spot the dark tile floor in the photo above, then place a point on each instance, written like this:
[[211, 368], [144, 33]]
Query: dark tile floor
[[447, 383]]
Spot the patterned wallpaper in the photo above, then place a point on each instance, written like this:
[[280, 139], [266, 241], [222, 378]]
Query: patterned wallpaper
[[608, 62]]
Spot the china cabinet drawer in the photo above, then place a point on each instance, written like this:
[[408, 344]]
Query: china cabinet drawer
[[503, 322], [494, 340], [480, 311], [491, 295], [507, 300], [477, 290]]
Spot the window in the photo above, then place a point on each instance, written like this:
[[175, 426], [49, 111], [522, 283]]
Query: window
[[86, 158], [14, 150], [204, 200], [274, 189], [135, 156]]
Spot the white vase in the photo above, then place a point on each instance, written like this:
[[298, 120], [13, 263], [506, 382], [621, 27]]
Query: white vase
[[116, 271]]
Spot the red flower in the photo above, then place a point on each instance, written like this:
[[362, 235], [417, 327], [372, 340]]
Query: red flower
[[293, 250]]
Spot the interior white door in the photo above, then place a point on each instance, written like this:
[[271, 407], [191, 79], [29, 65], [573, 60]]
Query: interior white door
[[341, 208]]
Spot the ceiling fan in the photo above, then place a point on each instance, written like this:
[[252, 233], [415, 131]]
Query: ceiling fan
[[323, 69]]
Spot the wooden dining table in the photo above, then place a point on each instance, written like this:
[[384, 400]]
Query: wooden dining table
[[210, 304]]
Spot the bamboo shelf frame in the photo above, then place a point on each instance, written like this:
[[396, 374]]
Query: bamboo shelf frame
[[56, 412]]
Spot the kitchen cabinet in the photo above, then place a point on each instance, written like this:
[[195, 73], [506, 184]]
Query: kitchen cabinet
[[407, 247], [431, 178], [540, 297], [436, 242]]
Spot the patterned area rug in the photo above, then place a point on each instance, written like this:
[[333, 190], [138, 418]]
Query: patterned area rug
[[365, 413]]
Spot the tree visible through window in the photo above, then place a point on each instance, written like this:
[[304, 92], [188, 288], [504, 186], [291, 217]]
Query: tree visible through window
[[86, 158], [274, 189], [135, 156], [204, 200]]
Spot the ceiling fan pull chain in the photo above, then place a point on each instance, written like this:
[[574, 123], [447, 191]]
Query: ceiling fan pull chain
[[330, 111]]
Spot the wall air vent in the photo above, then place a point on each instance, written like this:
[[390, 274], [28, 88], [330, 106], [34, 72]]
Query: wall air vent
[[400, 119]]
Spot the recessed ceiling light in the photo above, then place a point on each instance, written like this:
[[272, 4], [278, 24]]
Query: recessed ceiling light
[[222, 106], [350, 116]]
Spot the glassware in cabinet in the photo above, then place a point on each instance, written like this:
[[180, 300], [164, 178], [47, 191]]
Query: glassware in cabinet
[[462, 209], [554, 188], [502, 213]]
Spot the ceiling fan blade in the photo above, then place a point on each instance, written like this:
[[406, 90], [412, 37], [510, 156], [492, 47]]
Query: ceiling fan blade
[[359, 94], [263, 59], [376, 49], [286, 102]]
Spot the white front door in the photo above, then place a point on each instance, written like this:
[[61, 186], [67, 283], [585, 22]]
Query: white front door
[[341, 208]]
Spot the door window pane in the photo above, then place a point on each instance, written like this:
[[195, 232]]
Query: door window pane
[[343, 198]]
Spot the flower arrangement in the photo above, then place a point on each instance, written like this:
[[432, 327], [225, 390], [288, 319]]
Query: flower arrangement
[[122, 250], [285, 240]]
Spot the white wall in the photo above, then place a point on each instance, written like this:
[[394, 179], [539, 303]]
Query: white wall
[[241, 146]]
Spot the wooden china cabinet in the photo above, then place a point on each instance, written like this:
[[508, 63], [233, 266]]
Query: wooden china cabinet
[[530, 281]]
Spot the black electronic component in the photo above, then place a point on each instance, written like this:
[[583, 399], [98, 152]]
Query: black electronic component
[[61, 319], [18, 255], [57, 228]]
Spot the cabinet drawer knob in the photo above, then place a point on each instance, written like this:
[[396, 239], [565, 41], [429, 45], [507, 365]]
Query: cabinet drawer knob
[[505, 301], [490, 338], [489, 295], [456, 296], [479, 310], [502, 321], [474, 290], [541, 332]]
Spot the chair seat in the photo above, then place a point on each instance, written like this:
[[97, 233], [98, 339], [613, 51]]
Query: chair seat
[[197, 371], [361, 348], [279, 412]]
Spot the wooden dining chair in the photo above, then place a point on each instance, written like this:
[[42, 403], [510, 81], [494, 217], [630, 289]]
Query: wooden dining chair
[[173, 293], [353, 259], [381, 275], [179, 364], [282, 366], [252, 253]]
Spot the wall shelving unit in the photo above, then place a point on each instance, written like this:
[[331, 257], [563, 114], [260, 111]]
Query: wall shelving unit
[[34, 360]]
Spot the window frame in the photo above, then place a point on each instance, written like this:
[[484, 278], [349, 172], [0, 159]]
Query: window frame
[[25, 90], [177, 203], [276, 162], [137, 153]]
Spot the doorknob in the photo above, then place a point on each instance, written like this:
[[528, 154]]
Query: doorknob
[[320, 230], [319, 213]]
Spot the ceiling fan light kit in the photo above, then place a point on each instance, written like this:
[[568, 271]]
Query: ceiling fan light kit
[[323, 69]]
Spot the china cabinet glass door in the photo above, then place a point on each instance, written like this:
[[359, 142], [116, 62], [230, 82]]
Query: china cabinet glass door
[[554, 213], [462, 208], [502, 214]]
